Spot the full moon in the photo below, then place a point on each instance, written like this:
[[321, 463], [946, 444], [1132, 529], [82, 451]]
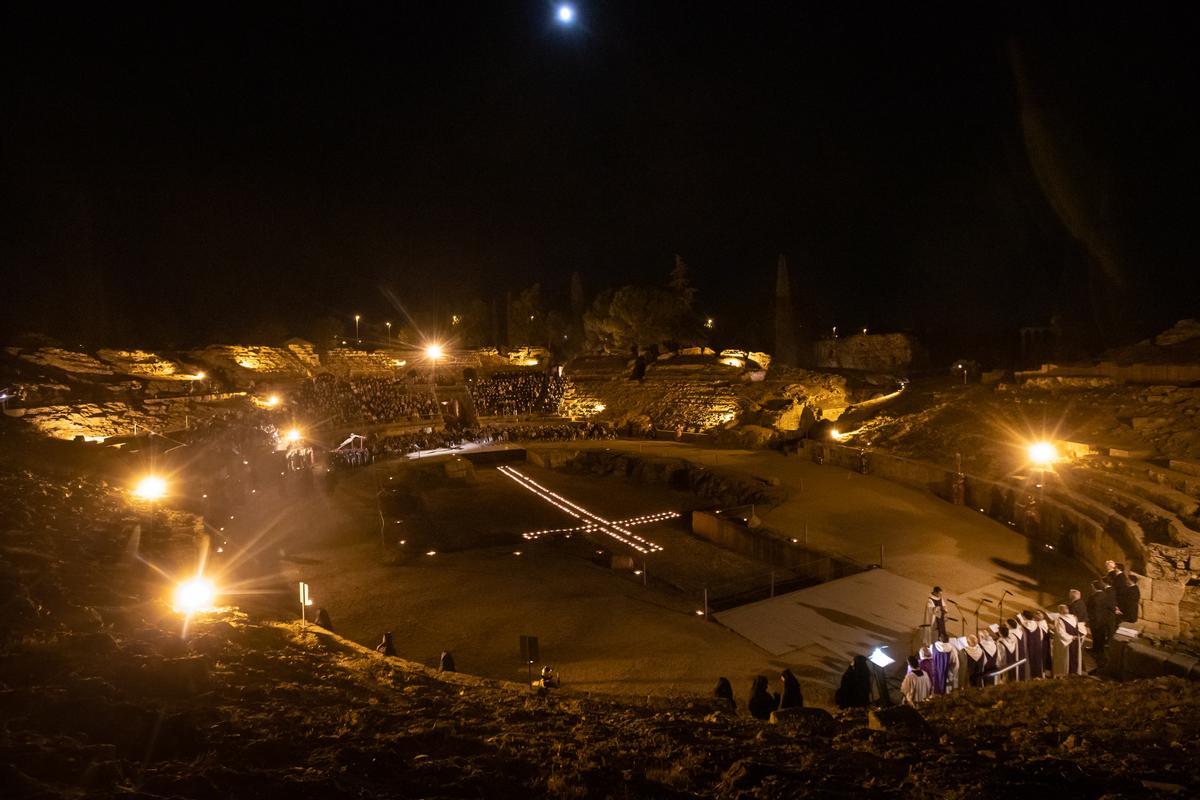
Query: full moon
[[566, 13]]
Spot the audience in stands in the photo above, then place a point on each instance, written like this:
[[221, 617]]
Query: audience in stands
[[514, 393], [365, 399]]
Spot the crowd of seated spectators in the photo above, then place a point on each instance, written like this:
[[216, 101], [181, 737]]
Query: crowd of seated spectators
[[407, 443], [364, 399], [515, 393]]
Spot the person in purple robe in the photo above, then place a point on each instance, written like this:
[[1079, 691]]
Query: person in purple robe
[[928, 666], [1033, 644], [1009, 648], [1021, 673], [1047, 646], [976, 660], [991, 657], [940, 666]]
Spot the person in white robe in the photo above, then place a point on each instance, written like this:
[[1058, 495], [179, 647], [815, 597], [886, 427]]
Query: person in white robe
[[916, 687], [1067, 650]]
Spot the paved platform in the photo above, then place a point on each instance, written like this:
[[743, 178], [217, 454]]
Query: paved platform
[[821, 628]]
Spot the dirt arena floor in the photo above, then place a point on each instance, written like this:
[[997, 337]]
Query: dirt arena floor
[[603, 628]]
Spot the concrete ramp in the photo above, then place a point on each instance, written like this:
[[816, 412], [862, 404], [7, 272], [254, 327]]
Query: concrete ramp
[[819, 629]]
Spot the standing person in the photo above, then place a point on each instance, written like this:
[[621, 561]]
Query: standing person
[[976, 661], [1129, 598], [761, 702], [855, 691], [385, 646], [1102, 616], [950, 653], [1047, 656], [1021, 673], [323, 619], [916, 686], [446, 662], [1115, 571], [723, 696], [936, 608], [1033, 644], [791, 696], [1009, 649], [1078, 605], [1067, 641], [991, 657]]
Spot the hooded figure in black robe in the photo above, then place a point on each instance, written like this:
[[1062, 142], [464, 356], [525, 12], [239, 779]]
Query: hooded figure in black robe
[[723, 696], [446, 664], [791, 697], [761, 702], [323, 619], [855, 691]]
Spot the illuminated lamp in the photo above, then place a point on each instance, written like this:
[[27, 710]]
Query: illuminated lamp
[[1042, 453], [150, 487], [193, 596]]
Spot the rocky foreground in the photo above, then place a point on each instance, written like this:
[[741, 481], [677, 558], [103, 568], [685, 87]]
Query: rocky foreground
[[101, 695]]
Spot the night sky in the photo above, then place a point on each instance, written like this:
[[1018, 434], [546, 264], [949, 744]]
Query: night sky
[[192, 173]]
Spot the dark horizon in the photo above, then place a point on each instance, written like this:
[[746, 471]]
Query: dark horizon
[[175, 178]]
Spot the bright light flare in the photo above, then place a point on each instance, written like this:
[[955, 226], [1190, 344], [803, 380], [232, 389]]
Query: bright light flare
[[566, 13], [273, 400], [434, 351], [194, 596], [1042, 453], [150, 487], [293, 435]]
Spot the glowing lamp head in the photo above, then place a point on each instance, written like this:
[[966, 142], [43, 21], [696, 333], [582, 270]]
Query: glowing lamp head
[[195, 595], [565, 13], [433, 351], [273, 400], [293, 435], [1042, 453], [150, 487]]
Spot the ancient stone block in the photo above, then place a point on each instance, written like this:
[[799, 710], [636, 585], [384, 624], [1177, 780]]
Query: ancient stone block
[[806, 721], [1166, 591], [1180, 664], [1162, 613], [901, 719]]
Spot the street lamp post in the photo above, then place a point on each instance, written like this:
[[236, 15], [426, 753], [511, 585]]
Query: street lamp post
[[389, 333], [357, 338]]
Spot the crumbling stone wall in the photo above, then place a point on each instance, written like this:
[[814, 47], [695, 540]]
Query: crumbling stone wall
[[889, 352]]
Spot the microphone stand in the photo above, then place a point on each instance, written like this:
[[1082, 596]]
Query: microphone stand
[[982, 600], [1006, 594], [962, 619]]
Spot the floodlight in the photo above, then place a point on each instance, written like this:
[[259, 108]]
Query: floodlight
[[150, 487], [195, 595], [1042, 453], [273, 400], [433, 351], [880, 658], [293, 435]]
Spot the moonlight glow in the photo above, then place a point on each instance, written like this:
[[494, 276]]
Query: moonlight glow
[[566, 13]]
